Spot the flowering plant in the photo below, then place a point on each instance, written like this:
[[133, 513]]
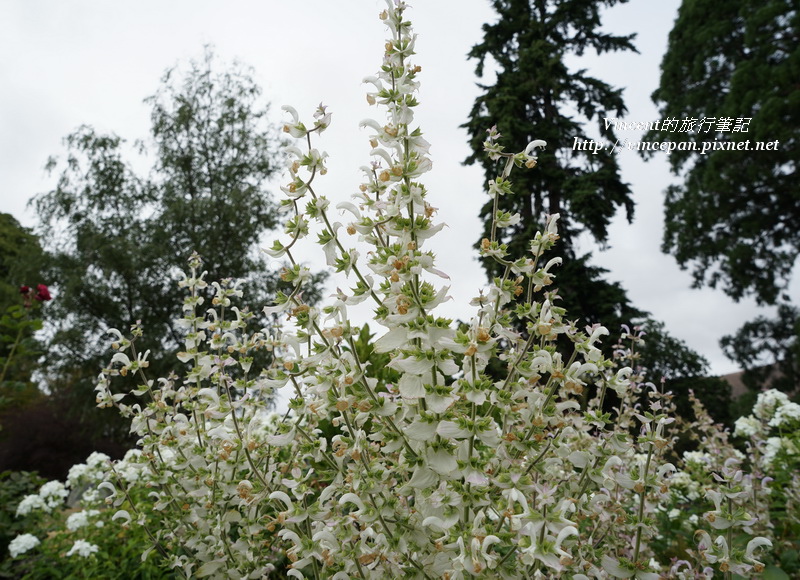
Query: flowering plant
[[41, 294], [434, 466], [70, 533], [772, 438]]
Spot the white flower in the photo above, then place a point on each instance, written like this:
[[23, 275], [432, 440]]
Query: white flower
[[681, 478], [98, 459], [768, 402], [22, 544], [82, 548], [786, 413], [80, 519], [771, 449], [296, 129], [53, 493], [30, 503], [753, 545], [129, 467], [697, 457], [76, 472], [530, 149], [76, 521], [529, 155], [746, 426]]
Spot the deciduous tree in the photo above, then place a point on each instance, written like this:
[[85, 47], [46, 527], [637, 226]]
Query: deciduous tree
[[20, 312], [769, 350], [731, 73], [729, 99], [113, 232]]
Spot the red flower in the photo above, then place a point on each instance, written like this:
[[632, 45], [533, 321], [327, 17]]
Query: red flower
[[24, 289], [42, 293]]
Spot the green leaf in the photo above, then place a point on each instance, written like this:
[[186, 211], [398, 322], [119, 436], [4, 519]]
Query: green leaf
[[774, 573]]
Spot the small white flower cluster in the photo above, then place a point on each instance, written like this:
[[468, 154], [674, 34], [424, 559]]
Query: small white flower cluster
[[53, 493], [772, 447], [768, 402], [786, 415], [78, 520], [82, 548], [697, 457], [773, 427], [76, 473], [92, 472], [85, 477], [31, 503], [86, 480], [22, 543], [131, 466], [747, 427], [51, 496], [683, 483]]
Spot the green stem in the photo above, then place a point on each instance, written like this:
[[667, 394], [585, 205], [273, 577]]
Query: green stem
[[729, 574], [156, 544], [11, 355], [642, 498], [513, 371], [242, 440]]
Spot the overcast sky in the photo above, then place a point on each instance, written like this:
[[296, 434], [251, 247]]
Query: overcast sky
[[92, 62]]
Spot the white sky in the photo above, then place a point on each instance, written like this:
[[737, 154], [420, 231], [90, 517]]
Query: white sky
[[92, 62]]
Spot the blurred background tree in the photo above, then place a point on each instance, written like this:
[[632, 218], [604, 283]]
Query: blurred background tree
[[535, 95], [734, 218], [768, 349], [116, 238], [20, 251], [34, 431]]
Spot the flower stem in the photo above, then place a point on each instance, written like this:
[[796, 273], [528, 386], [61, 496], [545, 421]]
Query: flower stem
[[11, 355]]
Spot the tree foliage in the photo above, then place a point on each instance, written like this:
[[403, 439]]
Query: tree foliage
[[20, 251], [734, 217], [214, 154], [769, 350], [20, 314], [683, 370], [536, 96], [113, 232]]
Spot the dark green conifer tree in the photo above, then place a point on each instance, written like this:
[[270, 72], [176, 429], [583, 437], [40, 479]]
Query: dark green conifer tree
[[536, 95]]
